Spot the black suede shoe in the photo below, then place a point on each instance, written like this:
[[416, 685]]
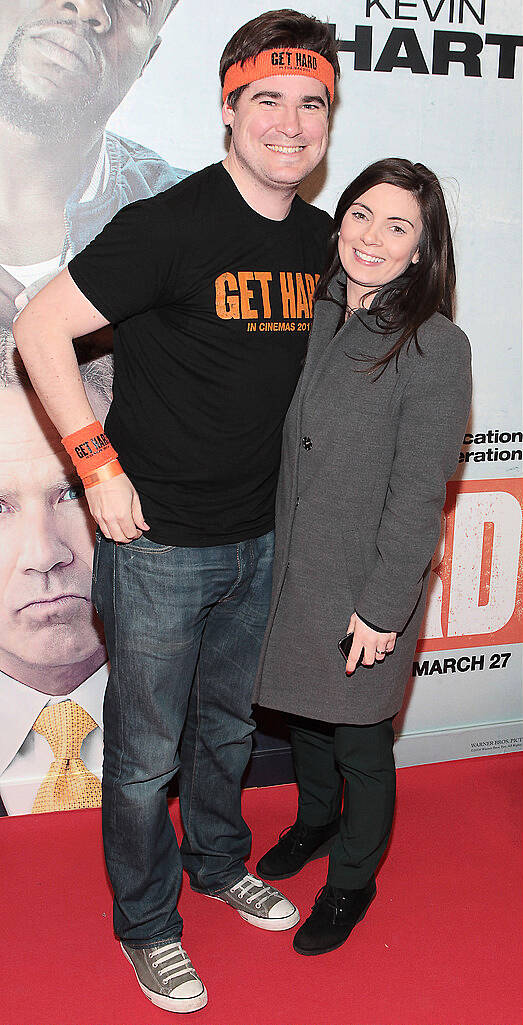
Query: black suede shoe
[[332, 919], [296, 846]]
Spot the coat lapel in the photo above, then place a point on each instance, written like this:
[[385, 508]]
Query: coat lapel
[[324, 329]]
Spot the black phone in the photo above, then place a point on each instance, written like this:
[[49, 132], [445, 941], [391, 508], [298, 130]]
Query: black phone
[[345, 645]]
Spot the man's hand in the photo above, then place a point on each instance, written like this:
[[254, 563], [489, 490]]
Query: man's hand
[[115, 506], [375, 645]]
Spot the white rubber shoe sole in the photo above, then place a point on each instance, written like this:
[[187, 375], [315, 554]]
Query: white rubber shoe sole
[[270, 924], [180, 1005]]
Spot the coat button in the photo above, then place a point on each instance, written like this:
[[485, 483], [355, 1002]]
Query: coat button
[[306, 442]]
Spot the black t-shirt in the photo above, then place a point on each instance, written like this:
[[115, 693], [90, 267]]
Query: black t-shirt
[[211, 304]]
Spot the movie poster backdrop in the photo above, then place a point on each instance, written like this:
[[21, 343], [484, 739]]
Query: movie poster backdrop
[[134, 108]]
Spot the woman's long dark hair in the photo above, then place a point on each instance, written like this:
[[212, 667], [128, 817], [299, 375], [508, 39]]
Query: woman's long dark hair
[[425, 287]]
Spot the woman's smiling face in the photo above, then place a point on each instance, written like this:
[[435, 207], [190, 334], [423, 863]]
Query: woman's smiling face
[[379, 238]]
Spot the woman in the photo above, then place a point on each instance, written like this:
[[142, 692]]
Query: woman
[[371, 438]]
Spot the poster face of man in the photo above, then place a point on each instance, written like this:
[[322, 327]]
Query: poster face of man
[[64, 62], [49, 637], [65, 65]]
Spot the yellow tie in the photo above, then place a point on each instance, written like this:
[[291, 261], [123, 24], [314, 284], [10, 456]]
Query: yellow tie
[[68, 783]]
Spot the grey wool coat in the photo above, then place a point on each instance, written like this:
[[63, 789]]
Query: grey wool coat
[[365, 461]]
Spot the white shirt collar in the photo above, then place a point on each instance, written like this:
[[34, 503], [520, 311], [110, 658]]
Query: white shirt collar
[[99, 176], [20, 706]]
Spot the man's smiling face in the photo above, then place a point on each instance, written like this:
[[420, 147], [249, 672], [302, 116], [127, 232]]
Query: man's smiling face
[[61, 60], [279, 129]]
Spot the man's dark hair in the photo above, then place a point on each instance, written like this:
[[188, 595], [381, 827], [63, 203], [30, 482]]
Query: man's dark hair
[[278, 30], [424, 288]]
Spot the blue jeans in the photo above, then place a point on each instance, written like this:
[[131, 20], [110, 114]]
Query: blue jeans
[[183, 628]]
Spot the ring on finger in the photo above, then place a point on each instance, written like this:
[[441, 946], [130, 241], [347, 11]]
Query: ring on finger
[[378, 652]]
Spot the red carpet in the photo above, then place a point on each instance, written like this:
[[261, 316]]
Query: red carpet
[[441, 944]]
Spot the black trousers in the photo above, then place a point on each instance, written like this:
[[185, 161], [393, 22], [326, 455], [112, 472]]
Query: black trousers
[[329, 759]]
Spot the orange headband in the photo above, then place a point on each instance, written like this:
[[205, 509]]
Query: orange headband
[[279, 62]]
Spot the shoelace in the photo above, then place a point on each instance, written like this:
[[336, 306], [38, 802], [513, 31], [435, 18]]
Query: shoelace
[[320, 894], [328, 896], [293, 835], [175, 954], [245, 885]]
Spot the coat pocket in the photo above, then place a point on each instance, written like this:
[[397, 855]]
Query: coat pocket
[[354, 561]]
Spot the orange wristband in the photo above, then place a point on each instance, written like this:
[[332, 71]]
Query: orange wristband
[[105, 472], [89, 448], [279, 62]]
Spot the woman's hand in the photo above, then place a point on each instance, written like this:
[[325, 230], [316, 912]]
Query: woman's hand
[[375, 644], [115, 506]]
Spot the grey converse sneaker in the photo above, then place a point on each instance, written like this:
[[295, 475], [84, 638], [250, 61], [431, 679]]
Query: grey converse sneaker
[[259, 904], [166, 976]]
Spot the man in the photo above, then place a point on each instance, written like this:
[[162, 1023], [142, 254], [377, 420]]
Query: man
[[210, 286], [51, 646], [64, 68]]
